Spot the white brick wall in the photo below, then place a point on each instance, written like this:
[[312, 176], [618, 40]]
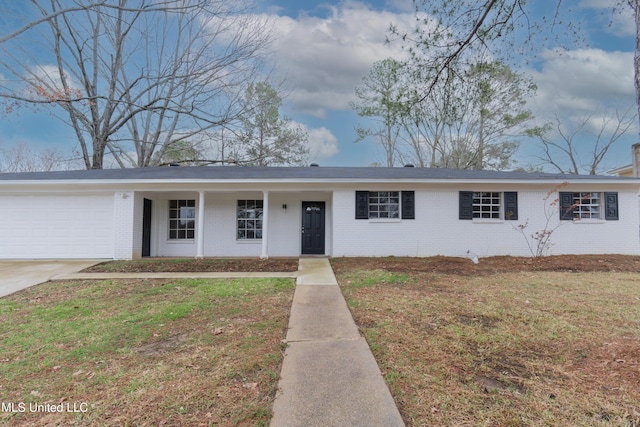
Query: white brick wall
[[438, 231], [123, 224], [109, 225]]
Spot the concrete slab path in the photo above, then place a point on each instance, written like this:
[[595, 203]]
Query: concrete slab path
[[329, 376], [20, 274]]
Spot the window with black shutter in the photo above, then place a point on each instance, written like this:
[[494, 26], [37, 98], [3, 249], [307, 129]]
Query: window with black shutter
[[385, 205], [611, 206], [465, 205], [408, 205], [362, 205], [488, 205], [510, 205], [588, 205], [566, 206]]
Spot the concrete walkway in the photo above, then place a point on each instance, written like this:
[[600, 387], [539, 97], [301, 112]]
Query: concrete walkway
[[16, 275], [329, 376]]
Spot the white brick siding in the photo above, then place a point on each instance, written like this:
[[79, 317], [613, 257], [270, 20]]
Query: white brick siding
[[109, 225], [436, 229]]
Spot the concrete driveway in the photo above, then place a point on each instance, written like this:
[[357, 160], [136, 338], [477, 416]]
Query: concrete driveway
[[17, 275]]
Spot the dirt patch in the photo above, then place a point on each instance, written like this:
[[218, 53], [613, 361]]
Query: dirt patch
[[157, 265], [159, 347], [612, 366], [491, 265]]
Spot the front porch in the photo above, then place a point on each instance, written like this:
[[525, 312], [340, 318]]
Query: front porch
[[243, 223]]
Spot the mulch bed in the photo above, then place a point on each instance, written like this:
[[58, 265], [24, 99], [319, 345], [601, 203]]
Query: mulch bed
[[155, 265], [492, 265], [436, 264]]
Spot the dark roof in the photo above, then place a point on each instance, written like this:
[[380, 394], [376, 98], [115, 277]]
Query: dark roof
[[292, 173]]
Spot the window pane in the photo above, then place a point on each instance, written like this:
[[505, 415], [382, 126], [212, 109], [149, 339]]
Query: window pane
[[182, 215], [486, 204], [384, 204], [248, 222]]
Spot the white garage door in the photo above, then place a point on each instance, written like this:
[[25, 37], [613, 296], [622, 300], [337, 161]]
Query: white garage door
[[56, 226]]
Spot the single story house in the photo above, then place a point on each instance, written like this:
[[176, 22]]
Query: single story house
[[234, 211]]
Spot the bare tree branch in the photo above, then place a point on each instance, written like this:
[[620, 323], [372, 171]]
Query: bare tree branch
[[134, 77]]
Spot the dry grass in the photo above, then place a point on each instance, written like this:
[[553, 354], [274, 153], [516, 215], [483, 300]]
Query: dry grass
[[505, 349], [144, 352]]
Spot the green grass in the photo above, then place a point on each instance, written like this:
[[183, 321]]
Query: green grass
[[132, 349]]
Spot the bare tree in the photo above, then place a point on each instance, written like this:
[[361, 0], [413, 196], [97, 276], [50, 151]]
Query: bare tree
[[566, 149], [133, 77], [20, 157]]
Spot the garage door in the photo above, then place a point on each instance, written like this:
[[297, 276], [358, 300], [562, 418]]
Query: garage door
[[56, 226]]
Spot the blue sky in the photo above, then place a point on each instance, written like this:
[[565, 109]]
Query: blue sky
[[324, 48]]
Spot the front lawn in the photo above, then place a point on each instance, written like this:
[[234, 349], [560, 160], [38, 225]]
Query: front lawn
[[143, 352], [471, 345]]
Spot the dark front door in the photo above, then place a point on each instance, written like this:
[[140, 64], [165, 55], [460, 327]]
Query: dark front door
[[146, 228], [313, 228]]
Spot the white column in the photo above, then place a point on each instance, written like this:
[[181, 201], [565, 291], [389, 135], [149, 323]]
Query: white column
[[200, 226], [265, 224]]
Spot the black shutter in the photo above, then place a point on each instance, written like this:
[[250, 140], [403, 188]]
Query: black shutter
[[408, 205], [611, 206], [510, 205], [566, 206], [362, 205], [466, 205]]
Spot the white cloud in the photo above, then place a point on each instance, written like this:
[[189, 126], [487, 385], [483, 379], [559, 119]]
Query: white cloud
[[324, 58], [619, 15], [322, 144], [48, 77], [580, 81]]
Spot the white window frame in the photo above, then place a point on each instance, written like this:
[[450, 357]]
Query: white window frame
[[181, 220], [586, 206], [249, 217], [386, 205], [487, 205]]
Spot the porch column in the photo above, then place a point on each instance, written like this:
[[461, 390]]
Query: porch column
[[200, 226], [265, 224]]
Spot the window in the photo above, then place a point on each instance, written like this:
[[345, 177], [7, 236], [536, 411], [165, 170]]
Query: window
[[182, 214], [249, 219], [588, 205], [488, 205], [385, 204]]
